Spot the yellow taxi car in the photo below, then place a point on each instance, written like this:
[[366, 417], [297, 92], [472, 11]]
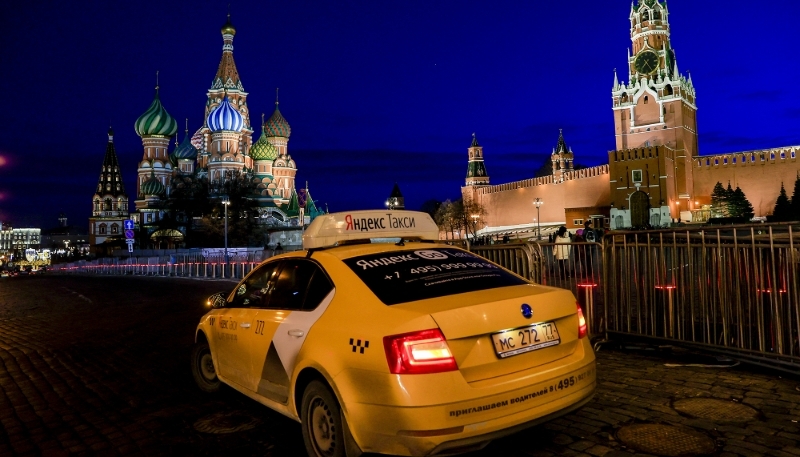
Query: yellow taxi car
[[378, 339]]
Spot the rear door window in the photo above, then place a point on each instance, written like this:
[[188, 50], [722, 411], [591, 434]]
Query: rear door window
[[404, 276], [300, 285]]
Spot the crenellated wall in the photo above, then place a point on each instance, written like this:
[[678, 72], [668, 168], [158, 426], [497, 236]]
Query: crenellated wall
[[758, 173], [512, 203]]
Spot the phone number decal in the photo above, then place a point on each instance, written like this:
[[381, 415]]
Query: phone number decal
[[561, 384], [450, 267]]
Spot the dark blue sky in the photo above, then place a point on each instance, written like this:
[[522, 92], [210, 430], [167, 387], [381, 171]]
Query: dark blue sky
[[376, 92]]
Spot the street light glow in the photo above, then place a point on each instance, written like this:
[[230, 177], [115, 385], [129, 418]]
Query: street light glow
[[225, 202], [538, 202]]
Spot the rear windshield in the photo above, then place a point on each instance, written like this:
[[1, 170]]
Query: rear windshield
[[404, 276]]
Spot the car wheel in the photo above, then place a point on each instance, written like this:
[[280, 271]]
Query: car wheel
[[321, 419], [203, 368]]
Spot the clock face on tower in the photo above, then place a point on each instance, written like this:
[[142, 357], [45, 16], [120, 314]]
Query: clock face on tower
[[646, 62]]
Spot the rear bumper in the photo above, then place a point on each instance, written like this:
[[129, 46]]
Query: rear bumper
[[469, 425]]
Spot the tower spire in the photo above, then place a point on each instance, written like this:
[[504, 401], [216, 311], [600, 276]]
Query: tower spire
[[616, 81]]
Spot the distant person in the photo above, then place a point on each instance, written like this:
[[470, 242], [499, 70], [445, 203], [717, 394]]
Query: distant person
[[562, 250], [588, 232]]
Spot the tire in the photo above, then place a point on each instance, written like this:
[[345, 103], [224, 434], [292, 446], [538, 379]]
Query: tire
[[321, 421], [203, 370]]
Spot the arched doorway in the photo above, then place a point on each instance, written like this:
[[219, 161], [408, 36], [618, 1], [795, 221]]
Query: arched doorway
[[167, 239], [640, 209]]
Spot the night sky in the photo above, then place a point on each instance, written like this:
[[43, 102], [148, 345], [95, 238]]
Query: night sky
[[376, 92]]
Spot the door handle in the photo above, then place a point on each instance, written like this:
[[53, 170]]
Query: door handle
[[296, 333]]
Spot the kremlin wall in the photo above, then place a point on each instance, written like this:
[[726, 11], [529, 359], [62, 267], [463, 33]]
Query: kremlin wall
[[655, 176]]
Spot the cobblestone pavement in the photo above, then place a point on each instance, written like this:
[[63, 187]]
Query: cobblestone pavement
[[99, 366]]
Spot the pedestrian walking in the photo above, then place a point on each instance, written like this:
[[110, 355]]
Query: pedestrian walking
[[561, 250]]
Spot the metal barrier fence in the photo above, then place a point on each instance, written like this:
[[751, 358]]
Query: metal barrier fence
[[574, 266], [729, 289], [188, 266]]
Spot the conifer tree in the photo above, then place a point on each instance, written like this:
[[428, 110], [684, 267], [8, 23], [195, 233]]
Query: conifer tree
[[740, 206], [796, 200], [719, 201], [783, 208]]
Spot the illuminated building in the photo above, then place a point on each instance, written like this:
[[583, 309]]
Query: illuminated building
[[220, 150], [655, 176], [109, 205]]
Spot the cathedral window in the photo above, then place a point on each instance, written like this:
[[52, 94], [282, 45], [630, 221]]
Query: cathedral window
[[762, 157], [114, 229], [716, 161], [771, 156], [783, 154], [725, 161], [102, 229], [793, 154], [645, 99]]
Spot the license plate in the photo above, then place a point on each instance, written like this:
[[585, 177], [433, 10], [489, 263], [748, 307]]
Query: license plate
[[525, 339]]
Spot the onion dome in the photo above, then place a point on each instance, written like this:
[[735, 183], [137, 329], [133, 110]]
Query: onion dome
[[225, 117], [228, 29], [277, 125], [156, 121], [198, 140], [263, 149], [185, 150], [152, 186]]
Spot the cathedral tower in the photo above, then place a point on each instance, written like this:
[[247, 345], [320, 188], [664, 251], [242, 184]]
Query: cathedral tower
[[476, 169], [277, 131], [226, 88], [110, 202], [561, 158], [656, 108], [155, 127]]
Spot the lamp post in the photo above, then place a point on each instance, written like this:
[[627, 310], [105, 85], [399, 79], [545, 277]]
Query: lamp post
[[538, 202], [475, 218], [225, 202]]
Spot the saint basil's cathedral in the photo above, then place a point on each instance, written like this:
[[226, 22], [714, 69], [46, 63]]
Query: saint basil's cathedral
[[223, 148]]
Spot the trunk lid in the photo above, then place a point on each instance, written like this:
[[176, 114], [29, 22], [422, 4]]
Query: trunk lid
[[469, 322]]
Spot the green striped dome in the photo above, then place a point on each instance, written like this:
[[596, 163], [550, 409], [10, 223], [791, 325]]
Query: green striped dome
[[263, 149], [152, 186], [156, 121]]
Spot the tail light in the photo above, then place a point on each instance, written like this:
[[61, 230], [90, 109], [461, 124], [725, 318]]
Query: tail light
[[420, 352], [582, 329]]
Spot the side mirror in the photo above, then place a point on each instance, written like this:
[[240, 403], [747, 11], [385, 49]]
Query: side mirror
[[217, 300]]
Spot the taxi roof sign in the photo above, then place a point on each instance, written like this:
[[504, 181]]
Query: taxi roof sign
[[332, 229]]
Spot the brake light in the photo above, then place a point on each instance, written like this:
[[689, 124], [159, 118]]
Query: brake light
[[582, 329], [420, 352]]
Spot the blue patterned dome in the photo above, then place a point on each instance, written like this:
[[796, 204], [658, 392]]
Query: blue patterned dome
[[225, 117], [185, 150]]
